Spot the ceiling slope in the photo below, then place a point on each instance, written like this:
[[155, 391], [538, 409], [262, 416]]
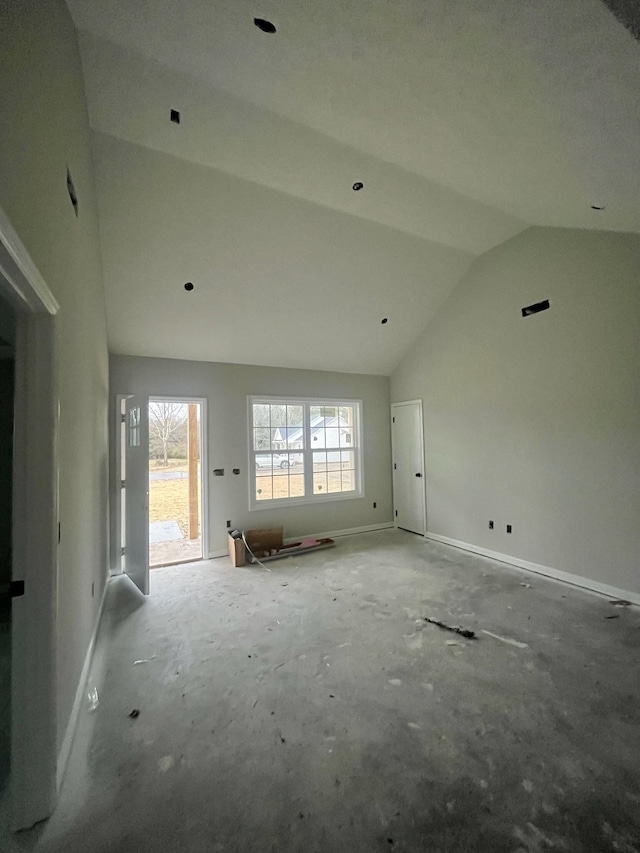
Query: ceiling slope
[[466, 122], [277, 281], [131, 97], [531, 108]]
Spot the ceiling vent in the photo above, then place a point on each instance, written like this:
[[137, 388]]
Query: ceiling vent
[[535, 308]]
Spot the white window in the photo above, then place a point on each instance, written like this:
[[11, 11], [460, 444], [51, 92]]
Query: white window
[[304, 451]]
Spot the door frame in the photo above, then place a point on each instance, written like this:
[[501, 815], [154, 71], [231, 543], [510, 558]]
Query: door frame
[[204, 491], [395, 406], [34, 754]]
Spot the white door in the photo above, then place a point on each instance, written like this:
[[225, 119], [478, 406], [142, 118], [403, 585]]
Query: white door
[[136, 521], [407, 442]]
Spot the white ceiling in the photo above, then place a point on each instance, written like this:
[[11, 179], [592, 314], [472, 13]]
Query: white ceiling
[[466, 121]]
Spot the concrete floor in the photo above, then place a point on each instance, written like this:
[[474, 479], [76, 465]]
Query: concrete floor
[[310, 708]]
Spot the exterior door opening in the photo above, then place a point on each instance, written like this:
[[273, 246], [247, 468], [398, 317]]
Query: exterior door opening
[[175, 481]]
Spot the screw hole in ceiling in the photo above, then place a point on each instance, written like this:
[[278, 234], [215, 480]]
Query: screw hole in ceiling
[[188, 285], [384, 320], [265, 26], [357, 186], [597, 207]]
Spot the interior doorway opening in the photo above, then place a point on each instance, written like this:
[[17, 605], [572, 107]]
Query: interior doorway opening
[[7, 368], [176, 499]]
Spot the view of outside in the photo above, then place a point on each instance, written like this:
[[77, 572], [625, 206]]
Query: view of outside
[[281, 455], [174, 498]]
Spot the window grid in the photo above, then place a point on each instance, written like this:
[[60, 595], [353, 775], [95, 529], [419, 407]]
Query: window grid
[[304, 450]]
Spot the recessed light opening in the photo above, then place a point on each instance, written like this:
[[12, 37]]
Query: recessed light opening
[[357, 186], [188, 285], [265, 26]]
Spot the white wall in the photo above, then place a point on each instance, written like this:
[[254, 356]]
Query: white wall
[[43, 130], [226, 388], [536, 421]]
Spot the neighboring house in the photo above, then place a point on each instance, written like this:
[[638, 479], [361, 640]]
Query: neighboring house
[[325, 432]]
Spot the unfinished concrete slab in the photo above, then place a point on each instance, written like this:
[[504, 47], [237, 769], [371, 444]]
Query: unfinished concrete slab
[[311, 708]]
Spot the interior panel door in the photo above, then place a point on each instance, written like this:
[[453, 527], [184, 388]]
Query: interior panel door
[[136, 544], [409, 493]]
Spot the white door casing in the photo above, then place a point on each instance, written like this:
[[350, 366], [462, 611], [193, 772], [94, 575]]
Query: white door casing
[[407, 443], [136, 543], [34, 756]]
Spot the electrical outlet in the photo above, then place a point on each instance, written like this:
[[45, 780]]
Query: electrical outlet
[[491, 525], [228, 524], [508, 528]]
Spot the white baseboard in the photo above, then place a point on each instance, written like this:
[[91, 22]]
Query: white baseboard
[[348, 531], [65, 749], [536, 568]]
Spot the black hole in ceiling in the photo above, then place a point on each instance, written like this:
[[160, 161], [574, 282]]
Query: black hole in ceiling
[[536, 308], [357, 186], [597, 207], [384, 320], [175, 116], [188, 285], [265, 26]]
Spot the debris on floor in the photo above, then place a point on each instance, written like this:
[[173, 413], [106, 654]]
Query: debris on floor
[[166, 763], [267, 544], [615, 616], [507, 640], [134, 714], [470, 635], [528, 585], [620, 602], [92, 698]]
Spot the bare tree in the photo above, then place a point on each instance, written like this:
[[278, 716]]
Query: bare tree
[[167, 423]]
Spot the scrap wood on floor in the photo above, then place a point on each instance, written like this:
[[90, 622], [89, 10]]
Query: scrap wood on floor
[[464, 632]]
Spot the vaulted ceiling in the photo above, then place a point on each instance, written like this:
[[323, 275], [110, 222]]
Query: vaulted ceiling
[[466, 122]]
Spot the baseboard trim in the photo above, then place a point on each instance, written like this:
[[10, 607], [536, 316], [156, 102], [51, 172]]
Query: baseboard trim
[[348, 531], [538, 569], [67, 743]]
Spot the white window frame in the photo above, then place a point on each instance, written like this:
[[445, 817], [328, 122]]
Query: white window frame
[[306, 452]]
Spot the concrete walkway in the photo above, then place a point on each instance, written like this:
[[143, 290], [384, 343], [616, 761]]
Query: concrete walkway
[[310, 708]]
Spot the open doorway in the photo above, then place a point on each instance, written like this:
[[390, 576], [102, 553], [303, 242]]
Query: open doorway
[[176, 499], [28, 534], [7, 367]]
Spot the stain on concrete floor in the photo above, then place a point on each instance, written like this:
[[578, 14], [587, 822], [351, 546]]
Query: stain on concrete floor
[[311, 708]]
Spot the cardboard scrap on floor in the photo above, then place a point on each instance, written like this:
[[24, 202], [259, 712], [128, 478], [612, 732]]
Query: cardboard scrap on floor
[[268, 544]]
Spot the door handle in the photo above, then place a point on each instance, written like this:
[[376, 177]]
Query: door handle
[[418, 474]]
